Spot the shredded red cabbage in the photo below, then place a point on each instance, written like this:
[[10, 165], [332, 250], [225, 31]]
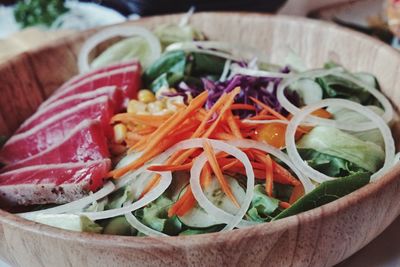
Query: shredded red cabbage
[[262, 88]]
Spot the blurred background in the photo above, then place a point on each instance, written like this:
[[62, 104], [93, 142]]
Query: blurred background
[[26, 24]]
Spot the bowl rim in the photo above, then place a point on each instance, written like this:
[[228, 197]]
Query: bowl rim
[[330, 209]]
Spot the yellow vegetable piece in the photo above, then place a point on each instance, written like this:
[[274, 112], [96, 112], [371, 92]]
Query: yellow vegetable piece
[[156, 107], [146, 96], [135, 106], [120, 131]]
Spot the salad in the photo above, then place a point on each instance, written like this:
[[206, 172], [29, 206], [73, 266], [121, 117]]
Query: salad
[[218, 138]]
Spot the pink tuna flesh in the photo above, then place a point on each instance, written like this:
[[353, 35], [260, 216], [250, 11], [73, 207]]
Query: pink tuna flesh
[[114, 94], [55, 129], [57, 183], [86, 142]]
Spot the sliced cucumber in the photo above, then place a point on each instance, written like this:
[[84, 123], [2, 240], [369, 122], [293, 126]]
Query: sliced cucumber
[[308, 90], [367, 78], [180, 180], [198, 218]]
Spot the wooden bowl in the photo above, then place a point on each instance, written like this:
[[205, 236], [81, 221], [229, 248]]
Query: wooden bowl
[[320, 237]]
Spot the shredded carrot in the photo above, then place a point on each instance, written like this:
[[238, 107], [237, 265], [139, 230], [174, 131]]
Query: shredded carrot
[[269, 176], [148, 155], [149, 120], [281, 172], [298, 192], [284, 205], [145, 130], [134, 136], [233, 125], [322, 113], [189, 203], [268, 108], [164, 168], [262, 117], [176, 120], [223, 136], [218, 173], [227, 166], [209, 114], [175, 207], [205, 178], [242, 107], [153, 146]]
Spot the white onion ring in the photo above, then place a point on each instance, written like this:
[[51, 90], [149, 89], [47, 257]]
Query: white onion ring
[[307, 184], [109, 33], [74, 206], [258, 73], [166, 179], [198, 143], [185, 19], [225, 72], [220, 215], [355, 127], [226, 50], [132, 220], [301, 115]]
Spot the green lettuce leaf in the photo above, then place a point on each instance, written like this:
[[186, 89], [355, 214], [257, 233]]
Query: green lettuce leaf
[[329, 165], [337, 87], [176, 66], [262, 206], [334, 142], [155, 215], [119, 226], [326, 192]]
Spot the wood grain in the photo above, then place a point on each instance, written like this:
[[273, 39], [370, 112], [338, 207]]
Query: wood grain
[[320, 237]]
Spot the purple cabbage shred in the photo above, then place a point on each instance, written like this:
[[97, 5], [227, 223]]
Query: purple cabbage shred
[[262, 88]]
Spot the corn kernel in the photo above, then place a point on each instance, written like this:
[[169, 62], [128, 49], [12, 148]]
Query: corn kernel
[[146, 96], [119, 133], [135, 107], [155, 107]]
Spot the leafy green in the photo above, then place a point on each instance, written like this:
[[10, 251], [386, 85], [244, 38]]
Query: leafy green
[[98, 205], [337, 87], [334, 142], [134, 47], [173, 62], [119, 197], [204, 64], [155, 215], [176, 66], [173, 33], [326, 192], [38, 12], [351, 116], [282, 191], [262, 206], [211, 229], [119, 226], [329, 165]]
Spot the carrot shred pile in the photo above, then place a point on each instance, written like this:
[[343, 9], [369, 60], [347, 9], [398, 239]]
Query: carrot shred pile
[[153, 134]]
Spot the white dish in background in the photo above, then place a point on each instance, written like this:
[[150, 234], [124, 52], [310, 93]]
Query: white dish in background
[[8, 25], [80, 16]]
